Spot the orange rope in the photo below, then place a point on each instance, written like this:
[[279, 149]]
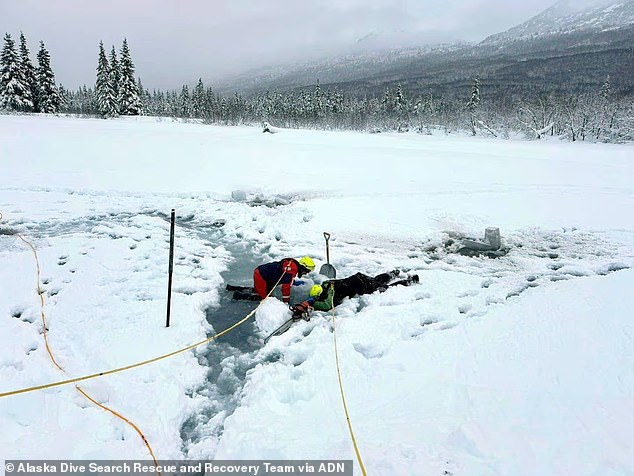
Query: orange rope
[[142, 363], [50, 353], [77, 379]]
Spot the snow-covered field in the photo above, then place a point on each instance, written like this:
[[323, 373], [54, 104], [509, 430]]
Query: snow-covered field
[[521, 365]]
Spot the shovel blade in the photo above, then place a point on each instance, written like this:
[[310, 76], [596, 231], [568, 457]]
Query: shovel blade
[[328, 270]]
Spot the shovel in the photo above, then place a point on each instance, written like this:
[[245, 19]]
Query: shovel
[[327, 269]]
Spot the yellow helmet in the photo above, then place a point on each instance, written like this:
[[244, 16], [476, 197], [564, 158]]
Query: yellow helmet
[[307, 263], [316, 290]]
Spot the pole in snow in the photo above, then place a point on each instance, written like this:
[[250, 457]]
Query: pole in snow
[[171, 268]]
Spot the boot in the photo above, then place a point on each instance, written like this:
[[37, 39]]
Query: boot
[[246, 296]]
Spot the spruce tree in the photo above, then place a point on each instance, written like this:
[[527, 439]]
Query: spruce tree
[[48, 96], [387, 103], [606, 110], [114, 75], [211, 102], [183, 102], [318, 104], [28, 73], [144, 95], [198, 99], [474, 100], [474, 104], [401, 105], [14, 93], [129, 102], [104, 90]]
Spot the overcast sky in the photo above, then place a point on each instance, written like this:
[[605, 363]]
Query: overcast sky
[[176, 41]]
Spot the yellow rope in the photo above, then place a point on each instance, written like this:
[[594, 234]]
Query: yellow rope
[[118, 415], [52, 357], [162, 357], [343, 397], [41, 294], [139, 364], [121, 369]]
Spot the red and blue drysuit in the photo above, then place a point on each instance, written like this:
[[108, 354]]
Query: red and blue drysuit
[[266, 276]]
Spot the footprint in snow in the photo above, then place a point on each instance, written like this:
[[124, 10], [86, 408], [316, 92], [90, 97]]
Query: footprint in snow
[[464, 308], [368, 351]]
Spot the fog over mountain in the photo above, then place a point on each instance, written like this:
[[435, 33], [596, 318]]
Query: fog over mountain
[[177, 42], [569, 46]]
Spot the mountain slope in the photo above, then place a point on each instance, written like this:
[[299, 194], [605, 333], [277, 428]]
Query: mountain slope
[[567, 17], [569, 48]]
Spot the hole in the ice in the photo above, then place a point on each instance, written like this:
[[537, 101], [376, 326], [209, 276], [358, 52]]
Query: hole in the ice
[[231, 356]]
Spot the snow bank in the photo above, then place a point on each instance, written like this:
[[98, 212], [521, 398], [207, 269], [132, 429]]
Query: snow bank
[[541, 385]]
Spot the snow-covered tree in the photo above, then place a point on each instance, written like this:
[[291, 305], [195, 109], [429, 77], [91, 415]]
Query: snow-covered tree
[[104, 90], [400, 102], [129, 102], [144, 96], [48, 96], [14, 92], [115, 74], [474, 104], [198, 99], [425, 112], [607, 111], [387, 103], [538, 116], [184, 103], [401, 108], [318, 102], [28, 72], [211, 104]]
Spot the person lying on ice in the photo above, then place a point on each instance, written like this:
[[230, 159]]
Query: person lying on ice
[[325, 296], [266, 276]]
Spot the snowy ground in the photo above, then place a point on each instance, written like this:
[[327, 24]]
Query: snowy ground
[[518, 365]]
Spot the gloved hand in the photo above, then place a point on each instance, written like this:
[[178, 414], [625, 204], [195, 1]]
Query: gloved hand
[[297, 282]]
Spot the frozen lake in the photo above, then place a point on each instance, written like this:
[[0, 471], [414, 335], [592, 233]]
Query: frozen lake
[[518, 365]]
